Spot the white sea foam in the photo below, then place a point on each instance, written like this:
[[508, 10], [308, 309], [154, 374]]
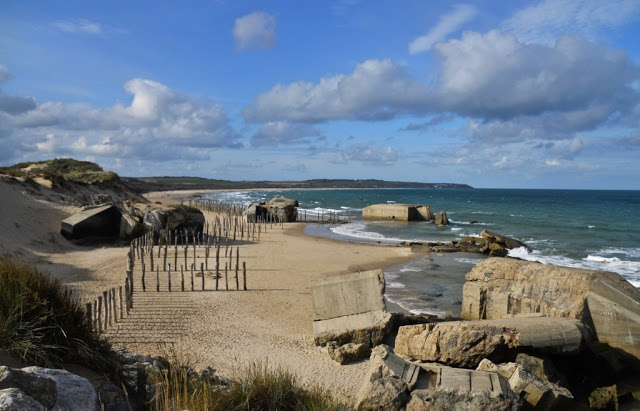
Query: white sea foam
[[357, 229], [468, 222], [591, 226], [394, 284], [473, 261], [630, 270], [405, 305]]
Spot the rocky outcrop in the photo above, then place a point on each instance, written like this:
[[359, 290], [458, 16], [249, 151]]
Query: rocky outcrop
[[13, 399], [489, 243], [466, 343], [347, 353], [279, 209], [603, 301]]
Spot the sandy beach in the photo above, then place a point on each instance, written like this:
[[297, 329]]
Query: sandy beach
[[227, 330]]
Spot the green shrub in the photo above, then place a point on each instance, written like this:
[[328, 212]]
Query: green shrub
[[42, 324]]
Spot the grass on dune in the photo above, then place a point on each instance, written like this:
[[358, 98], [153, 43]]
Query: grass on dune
[[42, 324]]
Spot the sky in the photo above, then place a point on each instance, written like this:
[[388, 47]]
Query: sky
[[495, 93]]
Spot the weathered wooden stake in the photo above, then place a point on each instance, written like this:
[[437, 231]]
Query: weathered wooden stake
[[89, 320], [202, 273], [144, 286], [99, 314], [169, 277], [244, 275], [121, 307], [106, 309], [226, 277], [182, 275], [158, 279], [192, 277]]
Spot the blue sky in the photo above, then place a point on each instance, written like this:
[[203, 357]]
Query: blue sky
[[489, 93]]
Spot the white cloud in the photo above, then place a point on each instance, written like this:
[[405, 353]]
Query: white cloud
[[493, 75], [5, 74], [255, 30], [274, 133], [159, 123], [550, 19], [368, 153], [447, 24], [375, 90], [78, 26]]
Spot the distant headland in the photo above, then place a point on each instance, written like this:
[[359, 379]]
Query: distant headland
[[147, 184]]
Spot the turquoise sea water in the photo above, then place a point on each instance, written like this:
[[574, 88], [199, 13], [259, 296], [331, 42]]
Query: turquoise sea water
[[595, 229]]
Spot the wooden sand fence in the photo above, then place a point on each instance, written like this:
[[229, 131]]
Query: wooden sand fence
[[181, 261]]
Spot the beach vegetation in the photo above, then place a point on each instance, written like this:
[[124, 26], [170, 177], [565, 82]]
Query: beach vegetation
[[258, 387], [42, 324], [62, 169]]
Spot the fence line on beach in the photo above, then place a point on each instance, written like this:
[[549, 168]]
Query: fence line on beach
[[202, 254]]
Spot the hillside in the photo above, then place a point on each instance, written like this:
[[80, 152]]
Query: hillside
[[147, 184]]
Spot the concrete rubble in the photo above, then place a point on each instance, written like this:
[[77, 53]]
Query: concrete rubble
[[466, 343], [603, 301], [350, 308]]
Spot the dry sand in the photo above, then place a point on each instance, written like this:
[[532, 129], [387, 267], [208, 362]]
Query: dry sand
[[227, 330]]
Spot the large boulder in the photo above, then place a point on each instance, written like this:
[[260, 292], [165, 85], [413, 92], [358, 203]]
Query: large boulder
[[466, 343], [14, 399], [441, 218], [603, 301], [41, 389], [177, 218], [74, 393]]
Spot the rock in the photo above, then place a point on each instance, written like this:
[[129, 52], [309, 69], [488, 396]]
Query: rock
[[347, 353], [73, 392], [604, 301], [100, 199], [441, 218], [13, 399], [96, 222], [384, 387], [178, 218], [604, 398], [453, 399], [41, 389], [504, 241], [542, 368], [454, 343], [350, 308], [540, 394], [466, 343], [112, 398]]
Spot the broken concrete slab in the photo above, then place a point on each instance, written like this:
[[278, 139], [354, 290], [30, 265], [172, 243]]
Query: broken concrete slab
[[93, 222], [399, 212], [350, 308], [604, 301], [466, 343]]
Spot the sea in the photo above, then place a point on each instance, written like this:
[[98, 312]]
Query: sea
[[594, 229]]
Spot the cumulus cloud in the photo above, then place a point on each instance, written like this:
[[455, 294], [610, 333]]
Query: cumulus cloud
[[493, 75], [13, 104], [159, 123], [447, 24], [375, 90], [490, 77], [548, 20], [274, 133], [368, 153], [255, 30]]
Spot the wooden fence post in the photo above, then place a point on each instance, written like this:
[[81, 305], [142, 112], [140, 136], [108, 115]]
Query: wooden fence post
[[202, 273], [99, 314], [121, 307], [244, 274], [89, 320]]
